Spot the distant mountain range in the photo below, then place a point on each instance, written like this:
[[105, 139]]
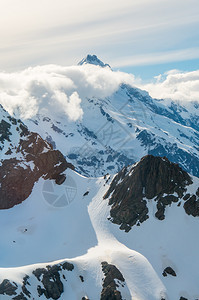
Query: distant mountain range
[[120, 129]]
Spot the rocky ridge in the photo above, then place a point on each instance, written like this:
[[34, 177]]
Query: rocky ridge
[[49, 283], [93, 60], [52, 282], [25, 157], [152, 178], [112, 274]]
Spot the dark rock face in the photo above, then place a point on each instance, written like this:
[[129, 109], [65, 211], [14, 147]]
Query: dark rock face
[[152, 177], [53, 286], [170, 271], [191, 206], [7, 288], [20, 297], [50, 278], [49, 283], [109, 291], [67, 266], [24, 288], [35, 159], [5, 131]]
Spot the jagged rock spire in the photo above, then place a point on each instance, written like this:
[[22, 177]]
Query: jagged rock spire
[[93, 60]]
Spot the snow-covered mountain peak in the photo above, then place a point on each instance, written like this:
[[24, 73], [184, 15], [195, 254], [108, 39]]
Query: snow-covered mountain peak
[[93, 60], [130, 124]]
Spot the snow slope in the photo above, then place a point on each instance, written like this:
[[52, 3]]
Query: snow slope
[[40, 232]]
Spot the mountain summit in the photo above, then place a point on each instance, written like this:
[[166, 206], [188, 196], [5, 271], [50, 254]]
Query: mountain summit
[[92, 60]]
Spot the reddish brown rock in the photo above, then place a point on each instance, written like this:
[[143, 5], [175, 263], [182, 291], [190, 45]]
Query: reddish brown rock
[[37, 159]]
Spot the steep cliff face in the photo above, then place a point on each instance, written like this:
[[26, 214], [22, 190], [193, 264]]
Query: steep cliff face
[[25, 157], [152, 178]]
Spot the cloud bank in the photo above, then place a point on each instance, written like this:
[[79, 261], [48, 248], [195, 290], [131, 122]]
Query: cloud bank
[[44, 89], [175, 85], [57, 89]]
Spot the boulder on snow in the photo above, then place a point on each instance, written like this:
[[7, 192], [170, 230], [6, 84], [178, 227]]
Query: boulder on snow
[[170, 271]]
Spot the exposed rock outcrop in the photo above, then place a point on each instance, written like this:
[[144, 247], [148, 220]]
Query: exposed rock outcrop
[[50, 278], [109, 291], [8, 288], [26, 159], [169, 271], [49, 283], [152, 178], [191, 206]]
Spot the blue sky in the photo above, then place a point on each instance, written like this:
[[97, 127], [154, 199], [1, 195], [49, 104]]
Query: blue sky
[[145, 37], [147, 72]]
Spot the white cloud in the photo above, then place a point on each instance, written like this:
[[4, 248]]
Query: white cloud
[[70, 105], [55, 88], [175, 85], [58, 89]]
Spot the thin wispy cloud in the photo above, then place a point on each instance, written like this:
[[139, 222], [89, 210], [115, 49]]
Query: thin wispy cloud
[[157, 58], [62, 32]]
